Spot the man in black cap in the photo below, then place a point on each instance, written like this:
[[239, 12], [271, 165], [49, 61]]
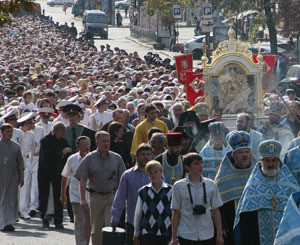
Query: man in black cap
[[171, 159], [74, 130], [200, 132], [186, 139]]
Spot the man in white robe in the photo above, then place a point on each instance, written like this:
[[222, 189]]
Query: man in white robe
[[101, 117], [27, 147]]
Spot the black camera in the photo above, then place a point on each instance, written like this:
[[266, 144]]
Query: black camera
[[199, 209]]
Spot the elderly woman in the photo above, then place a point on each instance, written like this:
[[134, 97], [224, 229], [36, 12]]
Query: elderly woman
[[117, 145]]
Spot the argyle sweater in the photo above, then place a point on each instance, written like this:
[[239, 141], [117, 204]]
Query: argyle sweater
[[156, 210]]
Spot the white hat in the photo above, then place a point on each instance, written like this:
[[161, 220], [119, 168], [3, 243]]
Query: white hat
[[62, 103], [73, 99], [46, 110], [26, 116], [103, 98], [11, 112]]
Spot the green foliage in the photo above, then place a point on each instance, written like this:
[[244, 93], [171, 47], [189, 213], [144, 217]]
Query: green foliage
[[164, 9], [233, 5], [12, 7], [289, 12], [259, 20]]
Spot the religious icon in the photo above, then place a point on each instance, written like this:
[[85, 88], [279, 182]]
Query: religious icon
[[184, 65], [235, 90]]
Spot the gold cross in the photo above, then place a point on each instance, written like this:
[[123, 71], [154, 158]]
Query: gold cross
[[229, 18], [274, 202]]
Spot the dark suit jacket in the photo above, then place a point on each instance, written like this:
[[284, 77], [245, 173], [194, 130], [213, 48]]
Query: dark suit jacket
[[52, 159], [91, 134]]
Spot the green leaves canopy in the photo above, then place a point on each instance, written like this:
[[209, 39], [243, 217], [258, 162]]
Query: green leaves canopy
[[164, 9], [12, 7]]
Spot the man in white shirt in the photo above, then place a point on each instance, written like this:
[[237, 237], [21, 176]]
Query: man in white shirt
[[82, 102], [27, 104], [195, 204], [62, 117], [45, 114], [101, 117], [27, 145], [38, 133], [81, 216], [11, 117]]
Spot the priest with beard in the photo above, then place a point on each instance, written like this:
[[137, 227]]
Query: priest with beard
[[175, 112], [232, 177], [214, 150], [171, 159], [264, 198], [186, 139], [199, 133], [243, 121]]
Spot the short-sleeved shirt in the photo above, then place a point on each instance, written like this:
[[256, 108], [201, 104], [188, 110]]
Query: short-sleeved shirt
[[69, 171], [103, 173], [195, 227]]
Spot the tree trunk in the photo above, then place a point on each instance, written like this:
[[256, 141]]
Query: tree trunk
[[271, 26]]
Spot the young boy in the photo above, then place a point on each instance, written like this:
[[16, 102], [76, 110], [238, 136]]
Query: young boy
[[195, 203], [27, 104], [152, 219]]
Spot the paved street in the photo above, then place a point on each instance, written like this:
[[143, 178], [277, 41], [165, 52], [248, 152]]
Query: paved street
[[31, 232], [117, 37]]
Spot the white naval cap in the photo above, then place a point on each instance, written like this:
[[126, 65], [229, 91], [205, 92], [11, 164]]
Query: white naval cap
[[46, 110], [62, 103], [26, 117], [11, 111], [73, 99], [103, 98]]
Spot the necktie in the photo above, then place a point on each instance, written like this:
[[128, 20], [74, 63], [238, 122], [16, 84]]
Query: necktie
[[73, 140]]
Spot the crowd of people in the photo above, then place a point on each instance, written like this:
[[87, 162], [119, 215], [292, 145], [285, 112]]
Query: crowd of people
[[110, 135]]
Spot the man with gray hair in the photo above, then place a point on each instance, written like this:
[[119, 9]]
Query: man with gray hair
[[175, 112], [102, 169], [117, 116], [54, 151], [158, 143]]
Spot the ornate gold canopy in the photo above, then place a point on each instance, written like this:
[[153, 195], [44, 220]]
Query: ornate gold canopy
[[237, 76]]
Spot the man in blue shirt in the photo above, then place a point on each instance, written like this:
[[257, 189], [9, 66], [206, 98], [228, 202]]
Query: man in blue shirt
[[131, 181]]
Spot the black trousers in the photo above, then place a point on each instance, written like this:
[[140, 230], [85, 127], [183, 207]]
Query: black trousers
[[44, 189], [69, 205], [129, 233], [183, 241], [154, 240]]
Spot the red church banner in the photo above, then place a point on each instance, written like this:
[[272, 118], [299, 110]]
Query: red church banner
[[270, 60], [194, 86], [183, 63]]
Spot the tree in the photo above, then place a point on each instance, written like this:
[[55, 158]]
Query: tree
[[11, 7], [164, 11], [267, 6], [289, 12]]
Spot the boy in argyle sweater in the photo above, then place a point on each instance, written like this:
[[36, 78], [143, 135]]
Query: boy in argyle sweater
[[152, 219]]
